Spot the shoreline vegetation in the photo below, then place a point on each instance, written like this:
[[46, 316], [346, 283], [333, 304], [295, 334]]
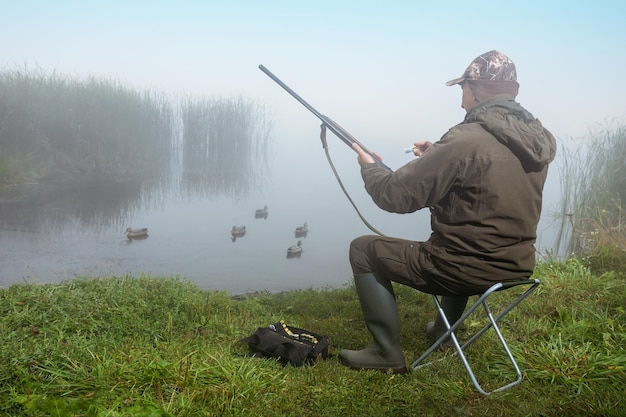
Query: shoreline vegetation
[[59, 128], [151, 346], [159, 346], [54, 127]]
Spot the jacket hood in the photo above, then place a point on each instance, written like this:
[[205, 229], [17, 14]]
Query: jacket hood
[[517, 129]]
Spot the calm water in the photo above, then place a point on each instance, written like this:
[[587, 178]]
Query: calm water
[[80, 233], [49, 234]]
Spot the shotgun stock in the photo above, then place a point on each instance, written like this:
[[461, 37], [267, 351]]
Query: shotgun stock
[[327, 122]]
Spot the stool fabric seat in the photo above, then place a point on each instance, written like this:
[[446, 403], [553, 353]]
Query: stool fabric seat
[[450, 333]]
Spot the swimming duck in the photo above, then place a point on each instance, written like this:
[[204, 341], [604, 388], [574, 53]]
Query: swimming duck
[[302, 230], [261, 213], [295, 249], [238, 230], [136, 233]]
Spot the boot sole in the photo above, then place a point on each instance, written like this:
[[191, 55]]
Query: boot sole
[[395, 371]]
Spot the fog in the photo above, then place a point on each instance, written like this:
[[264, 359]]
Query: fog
[[378, 70], [79, 231]]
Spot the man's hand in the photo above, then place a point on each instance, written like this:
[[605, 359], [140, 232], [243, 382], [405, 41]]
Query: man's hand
[[364, 157], [420, 147]]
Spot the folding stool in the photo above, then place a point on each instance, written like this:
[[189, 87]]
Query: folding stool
[[493, 323]]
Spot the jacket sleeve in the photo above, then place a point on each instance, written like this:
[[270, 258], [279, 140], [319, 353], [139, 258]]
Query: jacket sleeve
[[418, 184]]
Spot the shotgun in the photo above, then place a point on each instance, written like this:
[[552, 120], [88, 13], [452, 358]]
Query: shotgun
[[327, 122]]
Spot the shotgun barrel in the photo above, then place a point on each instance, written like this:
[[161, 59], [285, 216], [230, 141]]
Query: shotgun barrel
[[340, 132]]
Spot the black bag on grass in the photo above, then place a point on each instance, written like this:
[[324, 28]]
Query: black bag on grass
[[288, 344]]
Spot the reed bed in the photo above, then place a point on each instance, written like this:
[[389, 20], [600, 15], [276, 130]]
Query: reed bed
[[593, 186], [53, 126], [224, 145]]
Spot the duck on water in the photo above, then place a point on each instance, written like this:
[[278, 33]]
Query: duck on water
[[136, 233]]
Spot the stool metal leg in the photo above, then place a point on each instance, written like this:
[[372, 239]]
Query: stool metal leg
[[492, 323]]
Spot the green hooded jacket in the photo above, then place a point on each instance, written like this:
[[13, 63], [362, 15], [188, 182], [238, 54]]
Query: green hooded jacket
[[483, 183]]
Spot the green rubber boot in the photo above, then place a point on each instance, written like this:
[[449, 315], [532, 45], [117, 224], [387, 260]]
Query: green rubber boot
[[453, 307], [380, 311]]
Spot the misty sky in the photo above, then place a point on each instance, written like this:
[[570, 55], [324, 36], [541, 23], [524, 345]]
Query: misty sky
[[378, 68]]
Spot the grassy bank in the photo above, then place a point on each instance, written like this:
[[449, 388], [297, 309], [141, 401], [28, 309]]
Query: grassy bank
[[161, 347]]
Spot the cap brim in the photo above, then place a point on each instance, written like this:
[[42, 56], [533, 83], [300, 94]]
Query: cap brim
[[455, 81]]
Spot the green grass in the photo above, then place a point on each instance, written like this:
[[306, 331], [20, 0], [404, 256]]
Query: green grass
[[146, 346]]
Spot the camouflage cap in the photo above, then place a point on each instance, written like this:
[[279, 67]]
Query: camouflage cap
[[490, 66]]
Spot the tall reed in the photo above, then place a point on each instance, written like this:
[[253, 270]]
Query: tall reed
[[224, 145], [60, 126], [593, 185], [53, 125]]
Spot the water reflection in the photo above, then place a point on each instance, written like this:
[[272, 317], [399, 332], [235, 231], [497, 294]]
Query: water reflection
[[224, 144], [221, 152], [129, 241], [90, 206], [190, 238], [187, 194]]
